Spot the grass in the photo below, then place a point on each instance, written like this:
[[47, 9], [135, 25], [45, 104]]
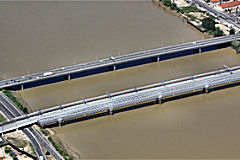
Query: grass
[[44, 131], [190, 9], [18, 143], [31, 146], [59, 147], [2, 119], [193, 18], [15, 100]]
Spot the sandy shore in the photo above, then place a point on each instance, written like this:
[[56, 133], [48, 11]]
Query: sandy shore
[[17, 138], [52, 133]]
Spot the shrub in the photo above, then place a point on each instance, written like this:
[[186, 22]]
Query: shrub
[[7, 150], [208, 24], [167, 3], [218, 32], [44, 131], [232, 31], [236, 45]]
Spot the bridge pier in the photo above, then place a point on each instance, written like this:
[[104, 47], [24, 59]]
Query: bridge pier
[[199, 50], [206, 88], [22, 88], [60, 121], [69, 77], [159, 99], [111, 111], [113, 68], [158, 58]]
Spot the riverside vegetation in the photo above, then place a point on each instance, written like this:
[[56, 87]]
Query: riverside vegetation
[[207, 22], [15, 100]]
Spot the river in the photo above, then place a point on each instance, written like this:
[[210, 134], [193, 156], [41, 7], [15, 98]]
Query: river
[[38, 36]]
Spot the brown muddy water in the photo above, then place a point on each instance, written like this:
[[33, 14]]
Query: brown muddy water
[[36, 36]]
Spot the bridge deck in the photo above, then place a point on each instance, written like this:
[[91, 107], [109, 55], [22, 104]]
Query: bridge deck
[[158, 52], [126, 98]]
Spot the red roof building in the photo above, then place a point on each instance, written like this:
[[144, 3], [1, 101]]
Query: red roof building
[[215, 1], [229, 5]]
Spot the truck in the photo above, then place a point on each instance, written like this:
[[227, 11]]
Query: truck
[[48, 73]]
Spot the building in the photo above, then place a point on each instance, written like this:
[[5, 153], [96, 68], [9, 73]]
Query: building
[[217, 2], [229, 6]]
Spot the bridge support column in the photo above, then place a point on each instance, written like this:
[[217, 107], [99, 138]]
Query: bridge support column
[[69, 77], [111, 111], [206, 88], [114, 68], [22, 87], [199, 50], [159, 99], [158, 59]]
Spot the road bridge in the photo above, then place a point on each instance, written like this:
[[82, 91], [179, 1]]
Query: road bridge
[[9, 114], [202, 83], [115, 63], [11, 111]]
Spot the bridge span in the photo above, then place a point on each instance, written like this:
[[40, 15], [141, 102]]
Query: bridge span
[[11, 111], [115, 63], [160, 92]]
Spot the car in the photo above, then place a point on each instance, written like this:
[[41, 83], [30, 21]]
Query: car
[[112, 58]]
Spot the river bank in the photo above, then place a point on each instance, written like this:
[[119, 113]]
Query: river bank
[[195, 16], [59, 145], [150, 132]]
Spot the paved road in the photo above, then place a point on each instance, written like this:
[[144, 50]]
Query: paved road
[[222, 15], [117, 60], [26, 131], [11, 111]]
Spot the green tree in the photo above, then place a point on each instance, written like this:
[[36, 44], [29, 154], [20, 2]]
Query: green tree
[[167, 3], [232, 31], [218, 32], [7, 149], [208, 24], [236, 45], [173, 6], [25, 110]]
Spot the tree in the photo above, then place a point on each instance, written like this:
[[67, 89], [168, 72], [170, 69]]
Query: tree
[[232, 31], [25, 110], [173, 6], [167, 3], [208, 24], [236, 45], [218, 32], [7, 149]]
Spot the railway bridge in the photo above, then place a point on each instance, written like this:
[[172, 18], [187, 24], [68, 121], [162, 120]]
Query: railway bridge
[[118, 62], [159, 92]]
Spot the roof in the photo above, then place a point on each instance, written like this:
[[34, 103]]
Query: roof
[[229, 4], [215, 1]]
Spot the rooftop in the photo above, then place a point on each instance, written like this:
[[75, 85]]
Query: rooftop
[[215, 1], [229, 4]]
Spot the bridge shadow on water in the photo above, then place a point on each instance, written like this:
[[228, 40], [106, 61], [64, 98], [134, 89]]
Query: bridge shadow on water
[[129, 108]]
